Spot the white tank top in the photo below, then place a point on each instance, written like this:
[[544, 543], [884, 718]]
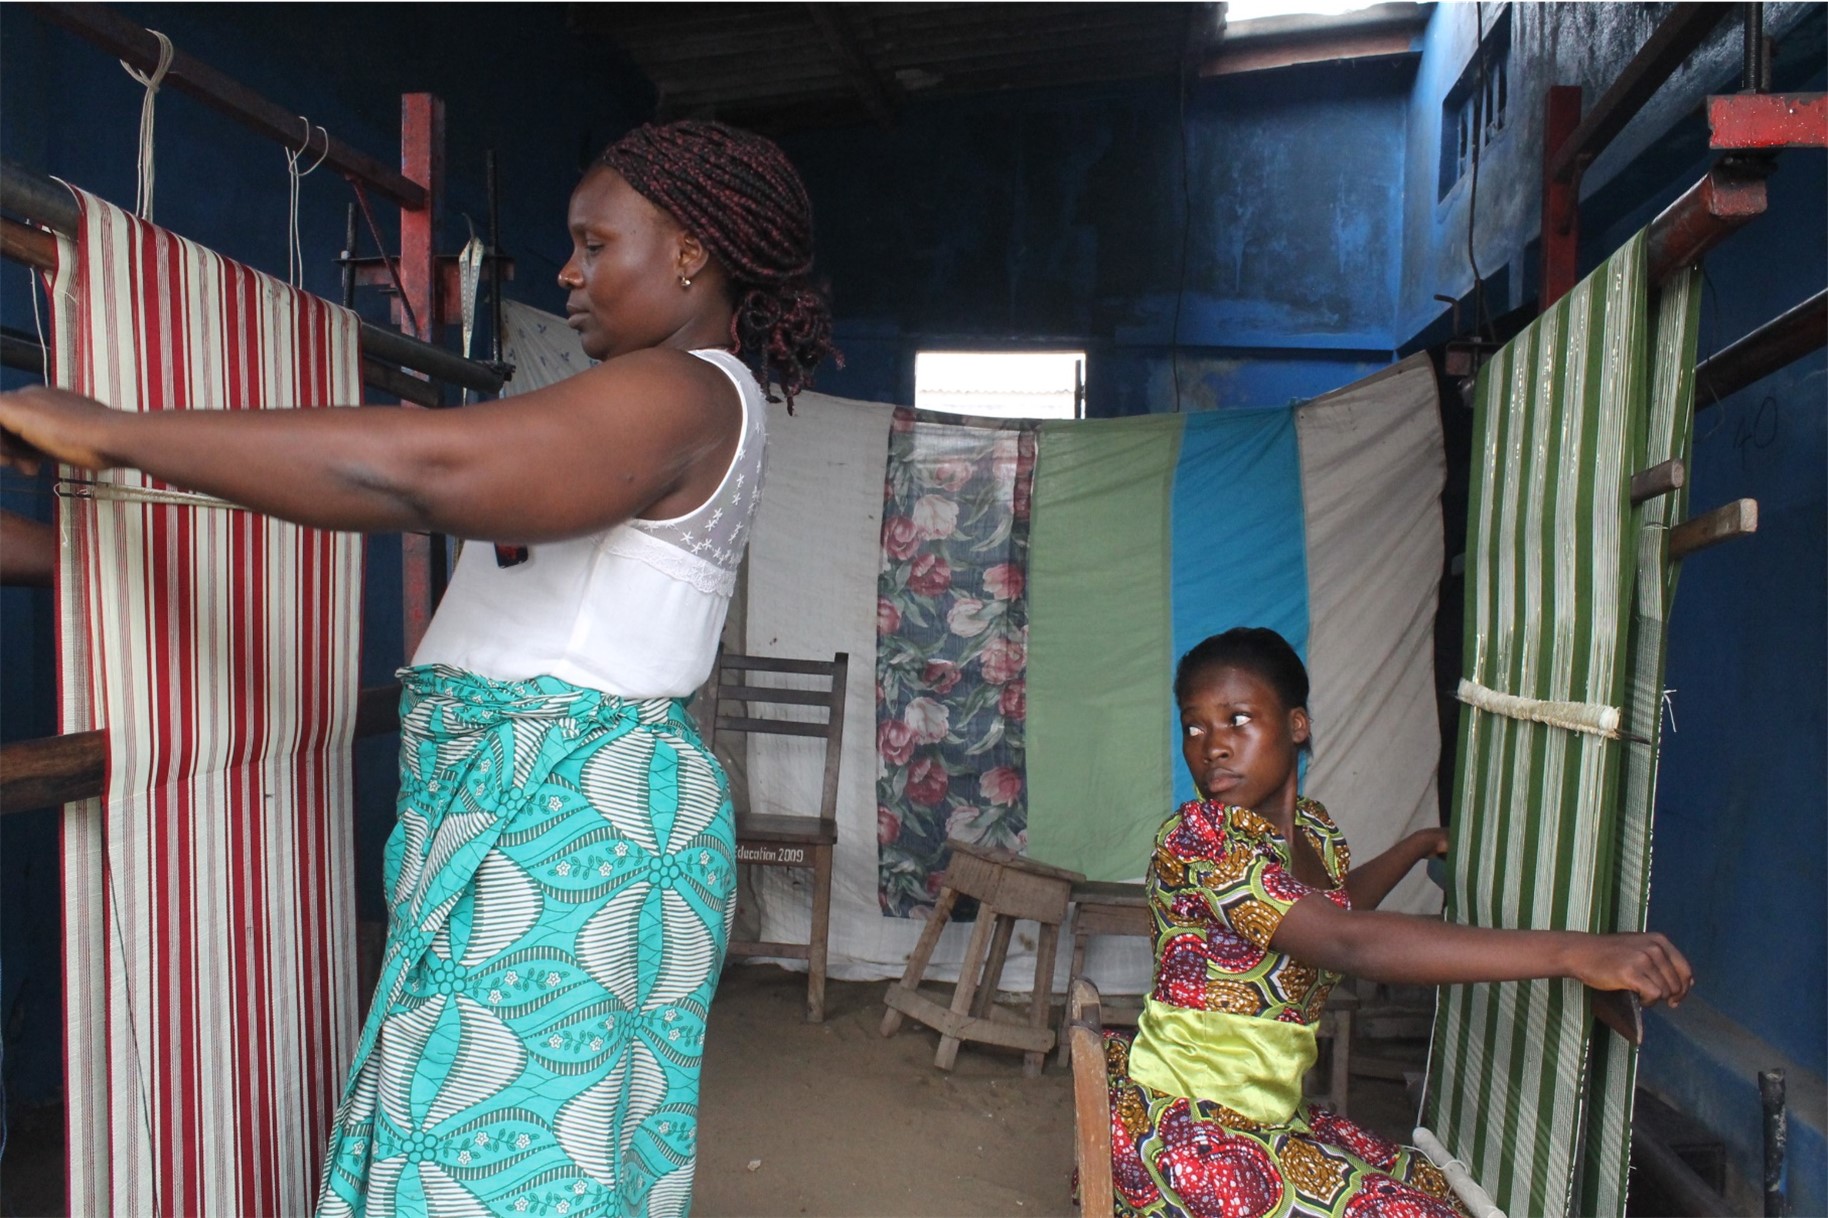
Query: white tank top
[[635, 610]]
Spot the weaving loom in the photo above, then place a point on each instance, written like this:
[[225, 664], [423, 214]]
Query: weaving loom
[[1570, 585], [208, 902]]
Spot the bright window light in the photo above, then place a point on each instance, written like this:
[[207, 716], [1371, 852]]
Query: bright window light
[[1252, 10], [1000, 384]]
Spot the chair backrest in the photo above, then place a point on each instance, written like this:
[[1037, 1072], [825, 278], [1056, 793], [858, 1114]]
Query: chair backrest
[[740, 698], [1091, 1097]]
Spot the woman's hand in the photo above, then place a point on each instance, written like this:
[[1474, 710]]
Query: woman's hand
[[1649, 965], [1429, 843], [39, 424]]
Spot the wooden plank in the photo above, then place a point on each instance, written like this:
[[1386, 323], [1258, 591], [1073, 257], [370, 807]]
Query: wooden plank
[[52, 770], [764, 693], [1681, 31], [775, 854], [1661, 479], [769, 727], [1091, 1120], [1621, 1011], [55, 770], [786, 951], [777, 664], [1736, 519], [1096, 919], [962, 1027], [32, 246]]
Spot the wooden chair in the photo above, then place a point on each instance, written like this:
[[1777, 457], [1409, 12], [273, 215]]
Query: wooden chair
[[735, 703], [1091, 1097]]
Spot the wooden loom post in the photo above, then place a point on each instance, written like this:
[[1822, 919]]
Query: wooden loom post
[[422, 162]]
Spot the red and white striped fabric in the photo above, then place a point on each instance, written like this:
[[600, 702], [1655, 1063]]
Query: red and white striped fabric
[[209, 984]]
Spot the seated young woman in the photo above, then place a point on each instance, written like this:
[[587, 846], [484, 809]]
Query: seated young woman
[[1257, 914]]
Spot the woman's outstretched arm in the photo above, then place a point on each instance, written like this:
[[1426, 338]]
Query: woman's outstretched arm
[[1369, 883], [1412, 950], [563, 461]]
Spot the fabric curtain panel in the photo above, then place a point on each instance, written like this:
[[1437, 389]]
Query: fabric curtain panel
[[1144, 535], [952, 648]]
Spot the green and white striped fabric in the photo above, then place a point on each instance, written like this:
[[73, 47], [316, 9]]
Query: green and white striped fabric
[[1545, 824], [1675, 327]]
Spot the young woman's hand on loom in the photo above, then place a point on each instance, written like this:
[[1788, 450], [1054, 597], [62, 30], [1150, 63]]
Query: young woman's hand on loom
[[39, 424], [1649, 965], [1429, 843]]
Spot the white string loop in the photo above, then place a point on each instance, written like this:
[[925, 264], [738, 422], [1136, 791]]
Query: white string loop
[[295, 252], [142, 199]]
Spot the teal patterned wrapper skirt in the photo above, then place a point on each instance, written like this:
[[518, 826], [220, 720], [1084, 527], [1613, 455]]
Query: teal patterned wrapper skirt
[[560, 885]]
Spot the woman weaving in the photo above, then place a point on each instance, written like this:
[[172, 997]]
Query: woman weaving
[[1257, 913], [561, 876]]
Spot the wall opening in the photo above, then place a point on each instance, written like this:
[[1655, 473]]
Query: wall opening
[[1475, 110], [1001, 384]]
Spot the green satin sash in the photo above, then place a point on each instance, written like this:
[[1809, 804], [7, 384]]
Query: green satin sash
[[1252, 1066]]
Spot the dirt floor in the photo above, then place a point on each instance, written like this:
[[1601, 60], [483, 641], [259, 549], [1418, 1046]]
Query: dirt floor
[[831, 1119], [823, 1119]]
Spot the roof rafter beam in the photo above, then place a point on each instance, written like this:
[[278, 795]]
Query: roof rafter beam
[[854, 64]]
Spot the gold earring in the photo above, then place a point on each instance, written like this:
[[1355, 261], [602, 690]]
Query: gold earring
[[684, 282]]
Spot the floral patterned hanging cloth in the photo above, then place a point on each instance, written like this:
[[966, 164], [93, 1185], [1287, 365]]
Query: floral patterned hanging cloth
[[952, 653]]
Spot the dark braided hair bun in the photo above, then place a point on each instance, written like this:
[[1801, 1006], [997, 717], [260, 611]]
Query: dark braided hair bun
[[736, 192]]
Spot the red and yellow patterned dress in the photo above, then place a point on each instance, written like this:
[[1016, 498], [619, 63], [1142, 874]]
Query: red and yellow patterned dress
[[1218, 886]]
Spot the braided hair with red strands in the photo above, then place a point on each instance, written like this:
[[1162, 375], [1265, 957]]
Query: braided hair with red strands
[[738, 194]]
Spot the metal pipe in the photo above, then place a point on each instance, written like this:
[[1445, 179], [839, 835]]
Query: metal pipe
[[1731, 193], [1753, 71], [126, 41], [39, 198], [1777, 1136], [1781, 341], [495, 311], [21, 350]]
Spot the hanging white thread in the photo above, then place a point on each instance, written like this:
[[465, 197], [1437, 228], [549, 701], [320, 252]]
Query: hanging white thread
[[469, 276], [1669, 705], [142, 199], [295, 252]]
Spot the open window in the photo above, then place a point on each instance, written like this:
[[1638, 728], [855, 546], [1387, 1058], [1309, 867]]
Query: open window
[[1002, 384]]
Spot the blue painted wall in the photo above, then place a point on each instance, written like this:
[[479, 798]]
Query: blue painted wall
[[1069, 218], [513, 77], [1271, 237]]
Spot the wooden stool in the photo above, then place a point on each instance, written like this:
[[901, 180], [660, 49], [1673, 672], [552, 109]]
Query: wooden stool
[[1104, 908], [1007, 887]]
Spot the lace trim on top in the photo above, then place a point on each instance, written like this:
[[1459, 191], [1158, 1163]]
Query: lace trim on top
[[716, 531], [668, 559]]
